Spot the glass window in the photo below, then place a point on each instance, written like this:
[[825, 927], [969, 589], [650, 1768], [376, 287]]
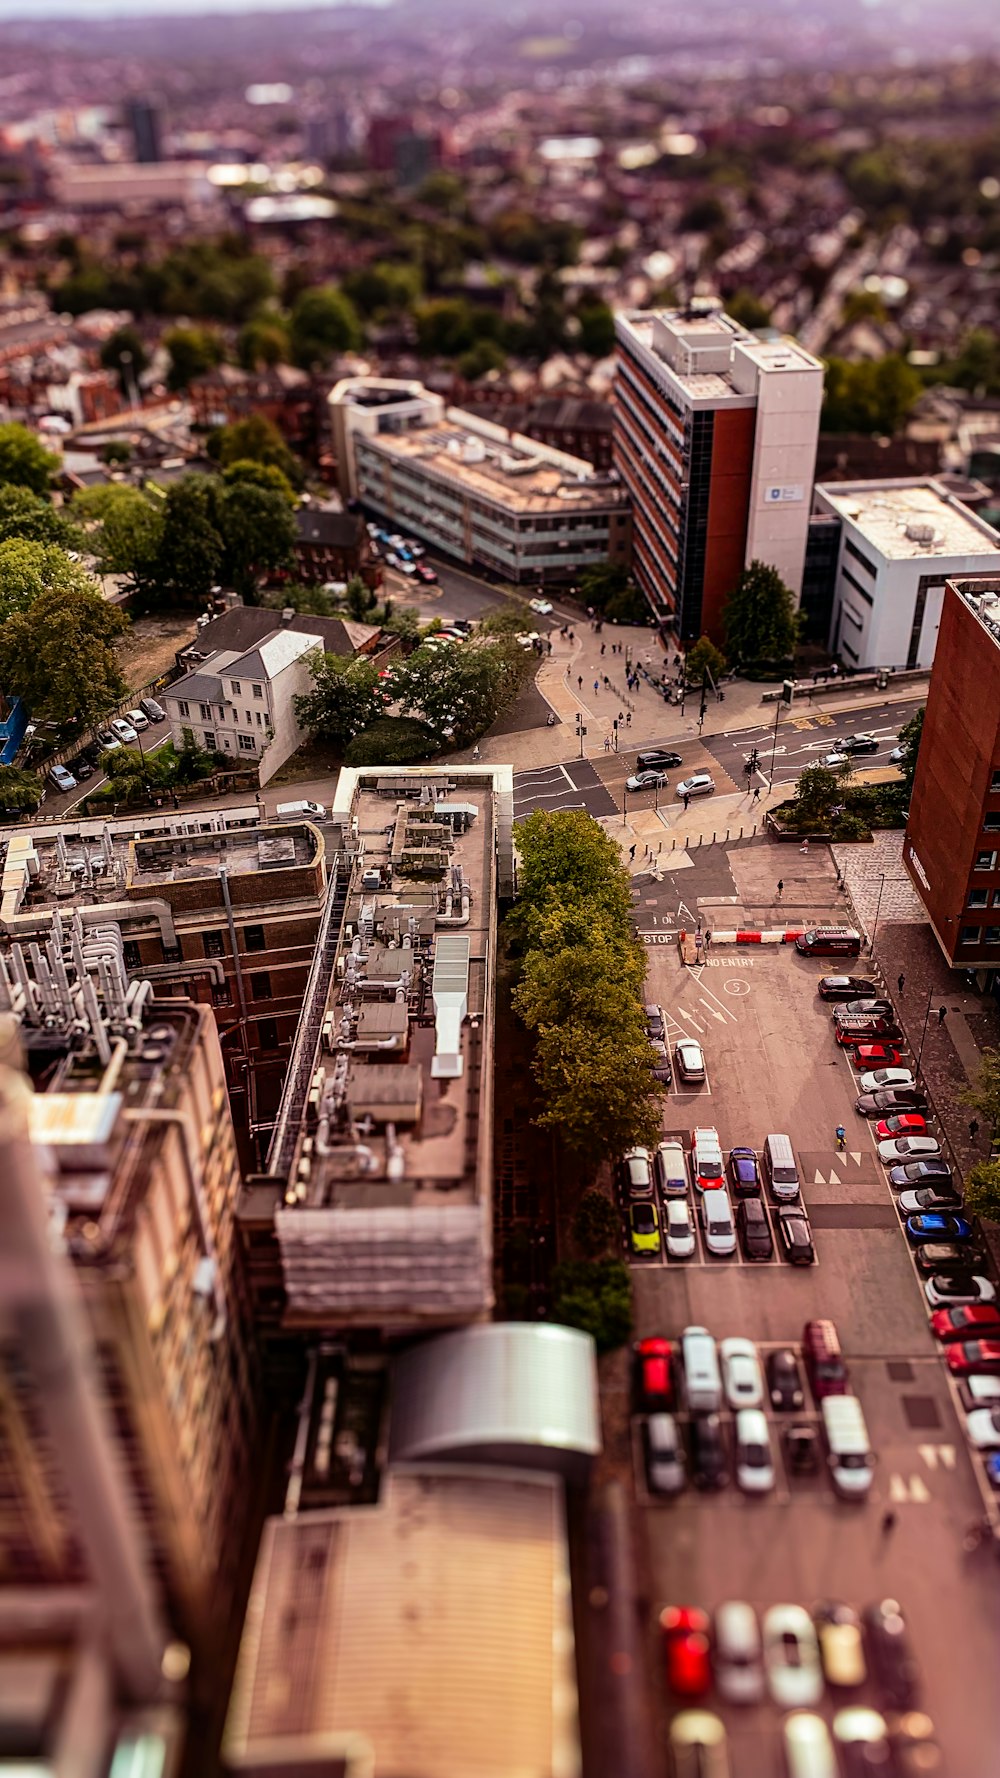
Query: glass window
[[253, 938], [205, 712], [213, 944], [267, 1034], [986, 861], [978, 898], [208, 736], [236, 687], [183, 706], [991, 823], [131, 954], [992, 935], [995, 781], [260, 983], [258, 691], [247, 744], [969, 935]]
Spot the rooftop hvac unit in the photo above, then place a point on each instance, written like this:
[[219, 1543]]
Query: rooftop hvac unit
[[923, 534]]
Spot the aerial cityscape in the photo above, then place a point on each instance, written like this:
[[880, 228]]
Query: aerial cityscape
[[499, 598]]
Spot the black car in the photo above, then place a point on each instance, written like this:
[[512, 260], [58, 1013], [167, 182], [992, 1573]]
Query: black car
[[845, 987], [910, 1173], [709, 1460], [659, 1062], [81, 768], [744, 1173], [944, 1256], [783, 1380], [889, 1654], [753, 1229], [871, 1006], [862, 743], [889, 1099], [654, 1022], [656, 759], [795, 1236], [802, 1448]]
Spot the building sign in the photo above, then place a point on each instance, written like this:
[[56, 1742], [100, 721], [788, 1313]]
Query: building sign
[[918, 867], [792, 493]]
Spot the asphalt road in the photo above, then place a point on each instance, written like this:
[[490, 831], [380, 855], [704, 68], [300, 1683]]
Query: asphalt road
[[804, 739], [772, 1065]]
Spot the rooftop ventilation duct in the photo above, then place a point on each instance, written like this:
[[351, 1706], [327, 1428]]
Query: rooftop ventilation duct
[[450, 994]]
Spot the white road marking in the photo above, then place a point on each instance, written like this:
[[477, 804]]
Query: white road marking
[[915, 1491], [712, 1012], [724, 1011], [736, 986], [818, 1178], [835, 1179], [568, 778]]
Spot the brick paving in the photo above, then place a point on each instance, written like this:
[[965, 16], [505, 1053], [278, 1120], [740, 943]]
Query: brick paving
[[877, 883]]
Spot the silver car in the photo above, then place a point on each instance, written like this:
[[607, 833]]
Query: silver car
[[699, 784], [678, 1229]]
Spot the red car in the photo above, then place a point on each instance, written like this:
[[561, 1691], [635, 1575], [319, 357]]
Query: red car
[[425, 573], [653, 1374], [865, 1026], [686, 1646], [876, 1055], [973, 1355], [980, 1320], [906, 1123]]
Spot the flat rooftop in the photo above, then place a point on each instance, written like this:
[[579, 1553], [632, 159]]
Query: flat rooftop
[[907, 519], [698, 349], [508, 469], [982, 595]]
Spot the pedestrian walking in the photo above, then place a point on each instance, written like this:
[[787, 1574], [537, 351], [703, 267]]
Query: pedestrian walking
[[973, 1128], [900, 982], [579, 681], [942, 1014], [631, 854], [607, 745], [780, 887], [708, 937], [603, 646], [804, 848], [888, 1522], [621, 716], [687, 799], [628, 720], [756, 793], [597, 684]]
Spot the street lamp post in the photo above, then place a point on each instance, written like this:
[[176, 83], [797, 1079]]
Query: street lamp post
[[923, 1034]]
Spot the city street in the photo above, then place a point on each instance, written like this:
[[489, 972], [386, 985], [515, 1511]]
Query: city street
[[772, 1065]]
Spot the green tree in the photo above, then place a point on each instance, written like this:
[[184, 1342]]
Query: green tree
[[983, 1095], [596, 1296], [193, 351], [263, 342], [346, 697], [27, 570], [568, 857], [324, 322], [20, 792], [245, 472], [258, 533], [257, 440], [482, 358], [445, 327], [597, 329], [59, 656], [863, 305], [759, 617], [24, 459], [704, 655], [26, 515], [360, 599], [596, 1224], [977, 366], [603, 582], [748, 310], [124, 353], [910, 737], [386, 288], [818, 791], [189, 559], [460, 691], [982, 1190], [125, 529], [868, 398]]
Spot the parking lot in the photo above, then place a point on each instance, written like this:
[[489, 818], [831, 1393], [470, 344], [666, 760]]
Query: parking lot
[[772, 1065]]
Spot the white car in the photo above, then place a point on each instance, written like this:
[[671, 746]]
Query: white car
[[646, 781], [416, 549], [983, 1428], [678, 1229], [690, 1060], [808, 1747], [885, 1077], [983, 1388], [699, 784], [741, 1376], [909, 1148], [637, 1172], [739, 1672], [791, 1657], [898, 756], [542, 606], [833, 760], [124, 730], [138, 720], [717, 1223], [954, 1293], [754, 1460]]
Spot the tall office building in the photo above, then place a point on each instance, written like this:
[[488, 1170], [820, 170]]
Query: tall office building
[[145, 123], [715, 438]]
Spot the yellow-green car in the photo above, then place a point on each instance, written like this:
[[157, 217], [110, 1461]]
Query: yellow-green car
[[644, 1228]]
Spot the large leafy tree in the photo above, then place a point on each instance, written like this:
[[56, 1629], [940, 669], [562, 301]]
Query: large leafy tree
[[124, 353], [263, 342], [124, 529], [759, 617], [27, 515], [245, 472], [460, 691], [704, 655], [324, 322], [257, 440], [20, 791], [189, 560], [24, 459], [193, 351], [28, 569], [59, 655], [910, 737], [868, 397], [345, 698], [258, 534]]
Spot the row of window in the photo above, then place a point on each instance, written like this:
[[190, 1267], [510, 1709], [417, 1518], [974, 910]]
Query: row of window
[[853, 550], [856, 584], [975, 935]]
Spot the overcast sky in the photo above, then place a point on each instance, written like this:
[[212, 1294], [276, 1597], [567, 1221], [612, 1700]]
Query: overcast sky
[[101, 9]]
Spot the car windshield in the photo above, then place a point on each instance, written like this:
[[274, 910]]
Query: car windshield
[[718, 1228], [643, 1216], [710, 1166], [755, 1455]]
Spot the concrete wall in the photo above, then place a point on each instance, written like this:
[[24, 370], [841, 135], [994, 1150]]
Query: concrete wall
[[788, 406], [883, 640]]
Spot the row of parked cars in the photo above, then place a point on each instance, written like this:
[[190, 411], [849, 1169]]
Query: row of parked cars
[[400, 552], [793, 1656], [718, 1184], [707, 1378], [121, 731]]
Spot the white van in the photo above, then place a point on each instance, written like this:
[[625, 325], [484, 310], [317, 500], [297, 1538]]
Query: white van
[[780, 1169], [301, 811], [808, 1748], [852, 1464], [702, 1381], [671, 1169], [717, 1223]]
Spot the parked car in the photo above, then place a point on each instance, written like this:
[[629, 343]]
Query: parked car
[[864, 742], [678, 1229], [914, 1747], [864, 1031], [908, 1148], [649, 780], [138, 719], [879, 1080], [709, 1462], [903, 1123], [844, 987], [889, 1653], [940, 1197], [656, 759], [665, 1459], [982, 1388], [61, 779], [670, 1168], [637, 1173], [107, 740], [943, 1256], [783, 1380], [935, 1172], [802, 1448], [791, 1657], [982, 1428], [945, 1290], [706, 1158], [654, 1382], [744, 1173], [741, 1378], [153, 709], [738, 1663], [690, 1060], [82, 768], [876, 1055], [754, 1229], [660, 1062], [542, 606], [866, 1007], [122, 730], [838, 1630], [654, 1021], [685, 1629], [937, 1225], [977, 1321], [973, 1355], [718, 1227], [808, 1747], [795, 1235], [698, 1745], [699, 784], [426, 574], [644, 1228], [890, 1099], [754, 1459], [862, 1735]]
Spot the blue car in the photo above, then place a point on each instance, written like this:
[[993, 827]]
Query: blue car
[[993, 1468], [936, 1225]]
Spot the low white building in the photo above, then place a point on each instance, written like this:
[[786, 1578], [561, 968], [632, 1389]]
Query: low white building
[[248, 667], [900, 541]]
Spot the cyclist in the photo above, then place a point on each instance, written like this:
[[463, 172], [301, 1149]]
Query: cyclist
[[841, 1136]]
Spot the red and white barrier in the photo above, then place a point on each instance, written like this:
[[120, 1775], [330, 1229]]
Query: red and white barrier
[[780, 936]]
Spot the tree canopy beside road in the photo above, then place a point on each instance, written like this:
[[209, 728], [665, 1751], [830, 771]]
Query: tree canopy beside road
[[24, 461], [58, 655], [759, 618]]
